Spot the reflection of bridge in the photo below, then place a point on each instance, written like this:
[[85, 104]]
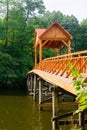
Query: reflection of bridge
[[53, 71]]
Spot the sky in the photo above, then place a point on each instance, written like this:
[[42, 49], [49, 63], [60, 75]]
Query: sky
[[78, 8]]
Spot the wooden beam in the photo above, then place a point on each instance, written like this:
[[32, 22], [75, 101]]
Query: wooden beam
[[57, 39], [48, 99], [68, 122], [65, 43], [45, 43], [62, 116], [51, 79]]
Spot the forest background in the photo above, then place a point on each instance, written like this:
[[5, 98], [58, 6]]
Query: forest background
[[18, 20]]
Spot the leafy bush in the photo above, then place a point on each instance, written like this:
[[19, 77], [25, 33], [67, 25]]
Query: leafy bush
[[80, 88]]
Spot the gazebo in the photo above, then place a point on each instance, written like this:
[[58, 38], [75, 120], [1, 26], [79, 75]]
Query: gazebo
[[55, 36]]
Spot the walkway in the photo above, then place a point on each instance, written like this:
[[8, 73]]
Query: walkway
[[54, 70]]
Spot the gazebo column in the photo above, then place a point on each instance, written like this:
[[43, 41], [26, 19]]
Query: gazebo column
[[58, 52], [40, 51], [35, 56], [69, 48]]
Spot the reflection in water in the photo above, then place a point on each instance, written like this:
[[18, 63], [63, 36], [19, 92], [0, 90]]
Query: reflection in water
[[36, 122], [19, 112]]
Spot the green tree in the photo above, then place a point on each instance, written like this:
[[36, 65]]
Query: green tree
[[8, 69], [71, 24], [1, 31], [19, 43], [83, 36]]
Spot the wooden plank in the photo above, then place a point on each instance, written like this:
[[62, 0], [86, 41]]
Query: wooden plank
[[63, 116], [48, 99], [68, 122]]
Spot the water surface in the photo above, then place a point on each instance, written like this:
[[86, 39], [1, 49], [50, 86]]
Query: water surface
[[18, 111]]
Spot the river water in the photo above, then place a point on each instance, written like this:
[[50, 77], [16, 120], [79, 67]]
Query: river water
[[18, 111]]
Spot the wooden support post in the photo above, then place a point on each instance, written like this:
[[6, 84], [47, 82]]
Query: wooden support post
[[69, 48], [28, 83], [54, 123], [31, 84], [58, 51], [81, 120], [40, 52], [40, 95], [35, 56], [34, 93], [46, 92]]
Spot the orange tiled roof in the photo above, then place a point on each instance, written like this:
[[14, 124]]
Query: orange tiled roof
[[40, 31]]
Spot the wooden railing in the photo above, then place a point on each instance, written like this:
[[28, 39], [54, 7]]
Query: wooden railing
[[58, 65]]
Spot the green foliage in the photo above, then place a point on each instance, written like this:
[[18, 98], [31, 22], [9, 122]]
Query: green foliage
[[80, 88], [8, 68], [17, 25], [16, 40]]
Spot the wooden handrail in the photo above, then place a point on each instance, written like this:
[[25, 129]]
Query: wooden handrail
[[59, 64], [70, 55]]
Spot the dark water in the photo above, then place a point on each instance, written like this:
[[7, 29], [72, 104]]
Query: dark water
[[18, 111]]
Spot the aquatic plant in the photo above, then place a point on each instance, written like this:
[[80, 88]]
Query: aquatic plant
[[80, 87]]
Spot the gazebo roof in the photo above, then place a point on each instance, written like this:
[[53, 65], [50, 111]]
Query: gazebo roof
[[41, 32], [52, 37]]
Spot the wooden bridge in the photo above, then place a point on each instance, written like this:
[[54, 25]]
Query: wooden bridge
[[54, 70]]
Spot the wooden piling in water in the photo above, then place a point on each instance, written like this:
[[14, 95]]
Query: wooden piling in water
[[54, 108], [35, 86], [28, 82], [34, 93], [31, 84], [40, 95], [81, 120]]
